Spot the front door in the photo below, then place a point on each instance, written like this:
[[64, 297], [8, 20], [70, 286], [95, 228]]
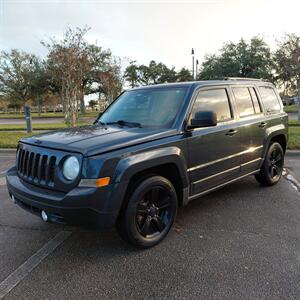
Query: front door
[[214, 152]]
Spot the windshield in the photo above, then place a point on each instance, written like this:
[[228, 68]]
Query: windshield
[[156, 107]]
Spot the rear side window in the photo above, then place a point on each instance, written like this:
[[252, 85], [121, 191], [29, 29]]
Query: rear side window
[[215, 100], [269, 99], [243, 101]]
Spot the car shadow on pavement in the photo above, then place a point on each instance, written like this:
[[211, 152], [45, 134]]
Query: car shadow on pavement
[[230, 208]]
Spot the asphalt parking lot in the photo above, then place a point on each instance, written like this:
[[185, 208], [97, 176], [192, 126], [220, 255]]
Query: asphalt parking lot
[[240, 242]]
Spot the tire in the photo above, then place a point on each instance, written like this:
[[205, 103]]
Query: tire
[[150, 212], [271, 170]]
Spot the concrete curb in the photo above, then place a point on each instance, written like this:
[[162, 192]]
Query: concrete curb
[[293, 153], [9, 150]]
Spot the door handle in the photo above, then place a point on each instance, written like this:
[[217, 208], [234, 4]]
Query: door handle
[[231, 132], [262, 124]]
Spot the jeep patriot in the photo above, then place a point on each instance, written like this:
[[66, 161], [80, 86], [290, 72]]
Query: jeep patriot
[[154, 149]]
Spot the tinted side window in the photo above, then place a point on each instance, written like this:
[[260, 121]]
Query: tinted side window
[[215, 100], [256, 105], [243, 101], [269, 99]]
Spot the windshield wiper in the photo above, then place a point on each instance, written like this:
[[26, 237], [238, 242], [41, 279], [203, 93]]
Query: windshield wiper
[[101, 123], [125, 123]]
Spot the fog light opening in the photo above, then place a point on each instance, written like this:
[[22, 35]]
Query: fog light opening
[[44, 216]]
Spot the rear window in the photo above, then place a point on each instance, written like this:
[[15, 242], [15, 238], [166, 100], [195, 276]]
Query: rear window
[[243, 101], [269, 99]]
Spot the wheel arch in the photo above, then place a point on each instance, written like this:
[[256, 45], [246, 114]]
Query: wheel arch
[[168, 162], [278, 134]]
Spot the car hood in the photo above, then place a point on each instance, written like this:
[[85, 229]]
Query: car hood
[[95, 139]]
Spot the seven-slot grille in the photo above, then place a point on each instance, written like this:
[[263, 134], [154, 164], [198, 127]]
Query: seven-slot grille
[[36, 167]]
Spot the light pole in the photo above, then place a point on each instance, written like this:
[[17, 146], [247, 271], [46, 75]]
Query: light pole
[[193, 63], [197, 63]]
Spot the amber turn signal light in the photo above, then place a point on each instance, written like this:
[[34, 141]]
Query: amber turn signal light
[[90, 182], [100, 182]]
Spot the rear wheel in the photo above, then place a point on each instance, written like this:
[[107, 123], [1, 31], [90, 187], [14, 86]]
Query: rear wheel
[[150, 212], [271, 170]]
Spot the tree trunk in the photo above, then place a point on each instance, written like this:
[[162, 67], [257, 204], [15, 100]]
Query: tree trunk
[[82, 105], [74, 118], [39, 105], [298, 87], [299, 104]]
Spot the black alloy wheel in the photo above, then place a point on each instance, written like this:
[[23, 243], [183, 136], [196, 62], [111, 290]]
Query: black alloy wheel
[[275, 162], [271, 170], [150, 212], [154, 212]]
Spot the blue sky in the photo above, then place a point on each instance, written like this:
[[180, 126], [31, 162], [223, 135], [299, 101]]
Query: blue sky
[[144, 30]]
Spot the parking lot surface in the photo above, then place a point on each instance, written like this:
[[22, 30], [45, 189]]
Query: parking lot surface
[[240, 242]]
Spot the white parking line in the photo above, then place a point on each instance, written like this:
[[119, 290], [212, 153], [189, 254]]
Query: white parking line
[[293, 181], [22, 271]]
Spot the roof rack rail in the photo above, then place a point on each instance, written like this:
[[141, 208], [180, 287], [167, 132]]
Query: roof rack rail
[[243, 78]]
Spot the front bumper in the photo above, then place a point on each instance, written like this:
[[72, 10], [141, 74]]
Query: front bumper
[[79, 206]]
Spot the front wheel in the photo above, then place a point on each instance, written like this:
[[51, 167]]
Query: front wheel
[[271, 170], [150, 212]]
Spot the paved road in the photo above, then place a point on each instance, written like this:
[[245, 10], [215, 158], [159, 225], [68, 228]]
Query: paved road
[[241, 242]]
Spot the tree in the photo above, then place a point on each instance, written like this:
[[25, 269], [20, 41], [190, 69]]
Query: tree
[[184, 75], [69, 65], [287, 64], [154, 73], [101, 61], [92, 104], [105, 77], [16, 76], [39, 83], [131, 74], [239, 60]]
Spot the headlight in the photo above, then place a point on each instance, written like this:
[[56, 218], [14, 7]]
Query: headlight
[[71, 168]]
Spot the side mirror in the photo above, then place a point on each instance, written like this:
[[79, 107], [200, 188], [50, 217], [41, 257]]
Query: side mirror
[[203, 119]]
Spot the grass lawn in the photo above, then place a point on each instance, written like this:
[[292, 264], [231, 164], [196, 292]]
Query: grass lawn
[[90, 114], [51, 126], [10, 139], [291, 108], [294, 138], [294, 123]]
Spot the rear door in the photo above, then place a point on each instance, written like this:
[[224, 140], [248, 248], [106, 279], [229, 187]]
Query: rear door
[[252, 125], [213, 151]]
